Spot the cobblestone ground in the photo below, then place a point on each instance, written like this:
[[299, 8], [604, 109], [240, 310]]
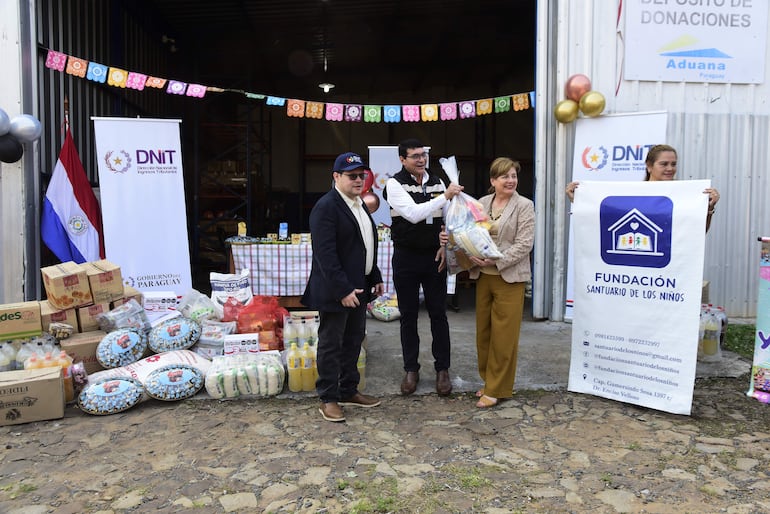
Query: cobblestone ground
[[543, 451]]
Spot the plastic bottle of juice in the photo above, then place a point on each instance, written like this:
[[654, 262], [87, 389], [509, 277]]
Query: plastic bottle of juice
[[10, 350], [308, 368], [362, 369], [711, 329], [34, 362], [25, 351], [5, 361], [289, 333], [49, 361], [64, 360], [722, 315], [294, 367], [302, 333]]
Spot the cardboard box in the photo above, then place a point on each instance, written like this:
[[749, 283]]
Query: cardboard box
[[87, 316], [19, 320], [129, 293], [31, 395], [105, 280], [66, 285], [49, 314], [82, 348], [704, 292]]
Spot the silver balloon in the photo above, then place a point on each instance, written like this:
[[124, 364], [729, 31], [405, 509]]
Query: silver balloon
[[25, 128], [5, 123]]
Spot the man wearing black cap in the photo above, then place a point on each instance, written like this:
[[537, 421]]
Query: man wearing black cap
[[343, 274], [416, 199]]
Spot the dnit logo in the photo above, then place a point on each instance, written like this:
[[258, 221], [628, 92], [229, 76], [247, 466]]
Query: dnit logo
[[594, 158], [636, 230]]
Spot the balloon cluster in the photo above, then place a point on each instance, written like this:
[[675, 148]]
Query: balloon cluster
[[580, 97], [23, 128], [369, 197]]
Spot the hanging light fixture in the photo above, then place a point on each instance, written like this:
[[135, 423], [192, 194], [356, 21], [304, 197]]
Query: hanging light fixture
[[325, 85]]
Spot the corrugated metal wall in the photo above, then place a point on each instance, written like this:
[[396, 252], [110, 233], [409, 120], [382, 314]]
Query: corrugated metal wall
[[720, 131]]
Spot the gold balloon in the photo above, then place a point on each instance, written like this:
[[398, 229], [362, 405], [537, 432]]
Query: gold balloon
[[566, 111], [577, 85], [592, 103]]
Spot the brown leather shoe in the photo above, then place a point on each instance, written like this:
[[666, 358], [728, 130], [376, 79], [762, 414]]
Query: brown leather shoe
[[361, 400], [331, 411], [443, 384], [409, 384]]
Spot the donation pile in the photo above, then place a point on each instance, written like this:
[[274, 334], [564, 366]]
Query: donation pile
[[134, 346]]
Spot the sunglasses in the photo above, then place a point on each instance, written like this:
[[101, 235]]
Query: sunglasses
[[353, 176]]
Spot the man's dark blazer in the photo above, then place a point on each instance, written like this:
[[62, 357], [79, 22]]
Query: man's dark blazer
[[339, 255]]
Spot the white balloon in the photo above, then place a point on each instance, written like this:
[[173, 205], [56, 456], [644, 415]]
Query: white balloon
[[25, 128], [5, 123]]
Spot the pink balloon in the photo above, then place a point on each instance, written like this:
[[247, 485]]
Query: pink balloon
[[577, 85], [368, 181], [371, 200]]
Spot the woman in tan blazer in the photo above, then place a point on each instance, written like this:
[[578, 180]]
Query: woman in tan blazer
[[501, 283]]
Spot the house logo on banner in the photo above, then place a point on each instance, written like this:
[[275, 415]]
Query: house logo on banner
[[120, 163], [639, 236]]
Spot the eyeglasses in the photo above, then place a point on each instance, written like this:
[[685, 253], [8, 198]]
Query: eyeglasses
[[417, 156], [353, 176]]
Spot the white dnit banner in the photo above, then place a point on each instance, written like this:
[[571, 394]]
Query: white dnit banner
[[143, 204]]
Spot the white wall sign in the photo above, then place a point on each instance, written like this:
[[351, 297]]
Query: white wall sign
[[696, 40], [143, 204]]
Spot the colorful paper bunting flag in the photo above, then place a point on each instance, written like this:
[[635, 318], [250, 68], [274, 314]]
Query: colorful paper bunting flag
[[96, 72], [196, 90], [176, 87], [295, 108], [391, 113], [429, 112], [372, 113], [502, 104], [334, 112], [353, 112], [155, 82], [275, 100], [467, 110], [448, 111], [55, 60], [520, 102], [117, 77], [314, 110], [484, 106], [136, 81], [77, 67], [411, 112]]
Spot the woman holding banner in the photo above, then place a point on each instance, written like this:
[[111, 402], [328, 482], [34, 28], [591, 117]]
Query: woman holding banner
[[661, 163], [501, 282]]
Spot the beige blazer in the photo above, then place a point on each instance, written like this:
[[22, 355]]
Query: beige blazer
[[514, 239]]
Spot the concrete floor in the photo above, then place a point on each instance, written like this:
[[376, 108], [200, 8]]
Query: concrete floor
[[543, 360]]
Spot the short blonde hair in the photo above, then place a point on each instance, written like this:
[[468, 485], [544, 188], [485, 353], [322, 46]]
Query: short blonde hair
[[500, 167]]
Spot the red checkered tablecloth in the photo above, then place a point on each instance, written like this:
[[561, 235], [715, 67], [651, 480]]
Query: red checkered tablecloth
[[283, 269]]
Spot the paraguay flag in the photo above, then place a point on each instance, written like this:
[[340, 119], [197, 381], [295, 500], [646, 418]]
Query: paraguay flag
[[71, 222]]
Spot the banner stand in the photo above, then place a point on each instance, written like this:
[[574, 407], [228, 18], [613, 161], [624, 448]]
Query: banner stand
[[759, 386]]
